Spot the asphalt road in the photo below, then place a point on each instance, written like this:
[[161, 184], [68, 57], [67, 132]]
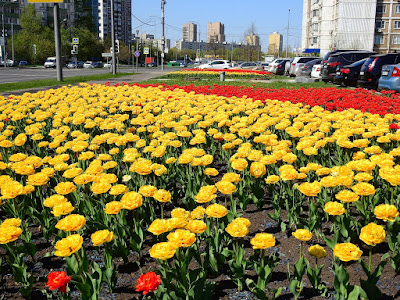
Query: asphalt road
[[8, 75]]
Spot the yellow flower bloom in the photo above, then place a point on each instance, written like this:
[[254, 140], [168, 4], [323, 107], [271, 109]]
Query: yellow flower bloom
[[216, 211], [181, 238], [131, 200], [257, 169], [54, 200], [272, 179], [317, 251], [372, 234], [198, 213], [16, 222], [226, 187], [196, 226], [347, 196], [334, 208], [100, 187], [163, 251], [310, 189], [9, 234], [237, 229], [62, 209], [302, 235], [347, 252], [158, 226], [118, 189], [113, 207], [263, 241], [162, 195], [211, 172], [71, 223], [102, 236], [364, 189], [11, 190], [38, 179], [68, 245], [386, 212], [65, 188], [147, 190]]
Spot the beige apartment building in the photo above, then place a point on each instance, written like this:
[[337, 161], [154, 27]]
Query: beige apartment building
[[351, 24], [215, 32], [387, 26], [275, 43], [189, 32]]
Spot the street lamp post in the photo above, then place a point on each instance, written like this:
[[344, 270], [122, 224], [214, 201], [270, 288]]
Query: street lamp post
[[113, 58], [287, 35], [163, 2], [3, 55]]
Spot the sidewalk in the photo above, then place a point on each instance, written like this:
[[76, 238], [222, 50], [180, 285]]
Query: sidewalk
[[143, 75]]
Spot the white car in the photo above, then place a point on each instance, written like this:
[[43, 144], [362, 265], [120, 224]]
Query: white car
[[316, 71], [50, 62], [217, 64], [296, 60]]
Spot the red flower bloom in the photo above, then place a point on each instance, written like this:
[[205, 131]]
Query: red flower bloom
[[58, 280], [394, 126], [148, 282], [6, 119]]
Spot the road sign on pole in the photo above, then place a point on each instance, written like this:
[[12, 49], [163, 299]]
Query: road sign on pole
[[75, 41], [137, 53], [146, 50]]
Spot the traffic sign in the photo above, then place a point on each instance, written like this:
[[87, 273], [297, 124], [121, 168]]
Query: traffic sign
[[146, 50], [75, 41], [137, 53], [106, 54]]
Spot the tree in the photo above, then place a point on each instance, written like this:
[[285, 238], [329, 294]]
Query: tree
[[83, 15], [33, 33]]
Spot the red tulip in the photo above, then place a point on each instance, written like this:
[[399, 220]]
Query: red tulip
[[394, 126], [148, 282], [58, 280]]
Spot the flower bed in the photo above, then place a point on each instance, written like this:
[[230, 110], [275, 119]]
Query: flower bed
[[211, 73], [214, 194]]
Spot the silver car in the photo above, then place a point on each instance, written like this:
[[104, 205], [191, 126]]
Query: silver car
[[297, 60]]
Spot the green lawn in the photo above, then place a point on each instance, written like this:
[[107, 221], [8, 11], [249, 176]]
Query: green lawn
[[276, 83], [6, 87]]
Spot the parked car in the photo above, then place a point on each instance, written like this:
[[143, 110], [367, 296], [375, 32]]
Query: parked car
[[304, 69], [107, 64], [71, 65], [390, 78], [265, 66], [92, 64], [250, 65], [216, 64], [279, 68], [9, 63], [371, 70], [152, 64], [316, 71], [50, 62], [287, 66], [22, 63], [328, 71], [297, 60], [348, 75]]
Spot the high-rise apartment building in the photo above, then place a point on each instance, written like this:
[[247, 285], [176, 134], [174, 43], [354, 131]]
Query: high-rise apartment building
[[275, 43], [215, 32], [189, 32], [252, 40], [387, 26], [122, 19], [339, 24]]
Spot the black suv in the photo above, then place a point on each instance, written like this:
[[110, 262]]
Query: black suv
[[372, 69], [328, 71], [348, 75]]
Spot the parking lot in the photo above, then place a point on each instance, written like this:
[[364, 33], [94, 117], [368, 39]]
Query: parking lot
[[8, 75]]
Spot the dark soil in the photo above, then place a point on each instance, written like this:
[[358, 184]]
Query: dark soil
[[287, 247]]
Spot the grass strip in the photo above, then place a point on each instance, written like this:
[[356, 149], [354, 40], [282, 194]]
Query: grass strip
[[284, 84], [6, 87]]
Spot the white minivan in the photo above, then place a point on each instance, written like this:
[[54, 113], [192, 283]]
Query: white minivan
[[50, 62]]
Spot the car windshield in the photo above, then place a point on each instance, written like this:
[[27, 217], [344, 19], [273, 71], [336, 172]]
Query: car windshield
[[357, 63]]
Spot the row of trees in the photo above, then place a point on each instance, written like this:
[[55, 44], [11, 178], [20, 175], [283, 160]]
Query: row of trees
[[90, 46]]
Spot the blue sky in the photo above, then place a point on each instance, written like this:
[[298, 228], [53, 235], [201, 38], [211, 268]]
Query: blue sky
[[237, 16]]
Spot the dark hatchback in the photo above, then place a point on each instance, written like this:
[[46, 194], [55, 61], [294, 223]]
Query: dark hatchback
[[371, 70], [305, 70], [279, 68], [328, 71], [348, 75]]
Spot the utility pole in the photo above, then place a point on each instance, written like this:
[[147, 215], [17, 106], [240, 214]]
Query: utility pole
[[287, 34], [57, 37], [137, 49], [113, 60], [12, 42], [163, 2]]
